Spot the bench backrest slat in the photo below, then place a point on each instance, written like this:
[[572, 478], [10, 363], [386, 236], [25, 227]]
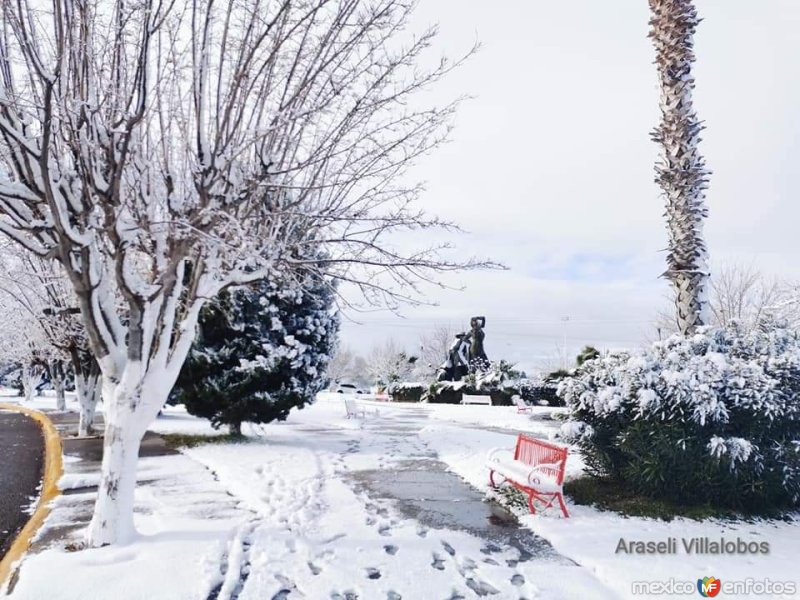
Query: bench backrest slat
[[533, 452]]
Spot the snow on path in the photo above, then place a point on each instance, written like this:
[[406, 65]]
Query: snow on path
[[301, 531], [184, 519], [315, 537], [590, 536]]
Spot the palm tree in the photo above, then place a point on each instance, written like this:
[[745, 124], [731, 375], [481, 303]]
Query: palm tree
[[680, 170]]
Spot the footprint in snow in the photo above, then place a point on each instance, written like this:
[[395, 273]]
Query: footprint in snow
[[392, 595], [468, 564], [517, 580], [373, 573], [315, 570], [438, 562], [390, 549], [481, 587], [490, 549], [448, 548]]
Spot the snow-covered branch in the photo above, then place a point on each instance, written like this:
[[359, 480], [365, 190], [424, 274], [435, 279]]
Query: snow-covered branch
[[163, 151]]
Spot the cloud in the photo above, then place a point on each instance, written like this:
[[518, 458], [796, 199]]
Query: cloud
[[551, 166]]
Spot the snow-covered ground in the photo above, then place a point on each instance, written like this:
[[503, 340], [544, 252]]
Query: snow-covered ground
[[281, 514], [590, 536]]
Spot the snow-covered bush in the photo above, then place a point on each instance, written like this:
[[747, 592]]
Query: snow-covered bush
[[406, 391], [492, 376], [714, 417], [261, 351], [537, 390]]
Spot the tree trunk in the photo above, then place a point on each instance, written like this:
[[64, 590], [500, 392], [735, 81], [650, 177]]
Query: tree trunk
[[61, 397], [235, 428], [130, 406], [87, 387], [680, 171], [112, 520], [31, 377], [56, 370]]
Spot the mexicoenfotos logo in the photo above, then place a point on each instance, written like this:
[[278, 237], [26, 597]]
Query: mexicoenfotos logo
[[708, 587]]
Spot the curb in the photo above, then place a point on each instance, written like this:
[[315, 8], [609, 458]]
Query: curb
[[53, 469]]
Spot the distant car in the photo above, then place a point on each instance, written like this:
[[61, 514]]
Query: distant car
[[347, 388]]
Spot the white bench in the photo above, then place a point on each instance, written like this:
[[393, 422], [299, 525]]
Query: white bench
[[522, 407], [476, 399], [353, 409]]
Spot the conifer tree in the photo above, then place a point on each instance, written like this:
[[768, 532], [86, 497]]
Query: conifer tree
[[260, 351]]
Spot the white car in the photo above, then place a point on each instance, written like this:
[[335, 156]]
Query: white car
[[347, 388]]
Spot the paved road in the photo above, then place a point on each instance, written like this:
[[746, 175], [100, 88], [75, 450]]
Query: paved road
[[21, 463]]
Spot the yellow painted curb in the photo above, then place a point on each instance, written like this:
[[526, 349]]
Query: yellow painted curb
[[53, 469]]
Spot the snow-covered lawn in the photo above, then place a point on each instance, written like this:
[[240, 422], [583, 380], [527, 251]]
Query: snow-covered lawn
[[590, 536], [184, 518], [279, 517]]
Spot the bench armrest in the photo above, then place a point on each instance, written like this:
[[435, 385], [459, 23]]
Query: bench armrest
[[498, 453], [533, 476]]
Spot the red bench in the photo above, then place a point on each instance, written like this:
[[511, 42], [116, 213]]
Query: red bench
[[536, 468]]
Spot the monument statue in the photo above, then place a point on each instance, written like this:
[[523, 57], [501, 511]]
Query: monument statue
[[465, 354], [477, 356]]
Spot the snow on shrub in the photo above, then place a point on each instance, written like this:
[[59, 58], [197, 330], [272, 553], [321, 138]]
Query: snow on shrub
[[261, 351], [714, 417], [406, 391]]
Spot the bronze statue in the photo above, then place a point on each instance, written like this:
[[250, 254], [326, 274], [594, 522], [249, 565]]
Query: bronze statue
[[466, 353], [477, 356]]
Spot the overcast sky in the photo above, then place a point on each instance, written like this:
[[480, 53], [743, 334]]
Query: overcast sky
[[550, 167]]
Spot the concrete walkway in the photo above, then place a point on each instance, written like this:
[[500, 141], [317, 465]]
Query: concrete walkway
[[22, 452], [84, 456], [421, 488]]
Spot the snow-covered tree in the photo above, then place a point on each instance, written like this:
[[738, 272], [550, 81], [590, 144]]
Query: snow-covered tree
[[38, 289], [261, 351], [348, 367], [23, 344], [434, 350], [680, 171], [164, 151], [27, 332], [389, 363], [744, 295]]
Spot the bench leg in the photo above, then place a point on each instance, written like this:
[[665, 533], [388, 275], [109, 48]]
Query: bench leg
[[491, 480], [531, 496]]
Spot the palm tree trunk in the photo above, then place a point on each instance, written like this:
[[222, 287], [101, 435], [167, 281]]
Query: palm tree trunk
[[680, 171]]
